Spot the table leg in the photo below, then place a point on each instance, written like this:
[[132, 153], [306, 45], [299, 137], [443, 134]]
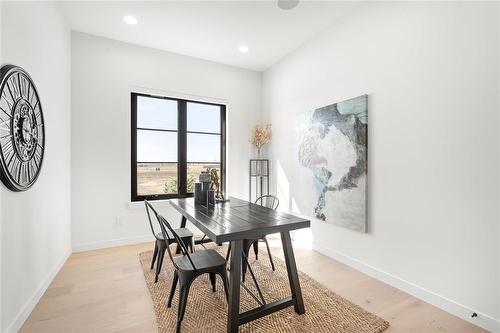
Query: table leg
[[293, 276], [234, 287], [183, 225]]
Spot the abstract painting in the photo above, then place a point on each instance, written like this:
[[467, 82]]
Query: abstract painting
[[333, 147]]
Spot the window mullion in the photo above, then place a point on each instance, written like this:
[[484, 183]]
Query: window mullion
[[182, 147]]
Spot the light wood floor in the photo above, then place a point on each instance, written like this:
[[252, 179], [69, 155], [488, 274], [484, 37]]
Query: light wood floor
[[104, 291]]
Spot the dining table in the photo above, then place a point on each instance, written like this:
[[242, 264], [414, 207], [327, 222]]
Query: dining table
[[236, 221]]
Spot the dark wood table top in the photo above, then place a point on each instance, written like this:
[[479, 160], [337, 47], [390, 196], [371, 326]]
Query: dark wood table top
[[237, 219]]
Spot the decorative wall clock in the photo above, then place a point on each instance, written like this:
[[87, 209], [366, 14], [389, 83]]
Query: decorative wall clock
[[22, 133]]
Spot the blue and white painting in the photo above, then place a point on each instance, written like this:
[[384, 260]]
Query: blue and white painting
[[333, 147]]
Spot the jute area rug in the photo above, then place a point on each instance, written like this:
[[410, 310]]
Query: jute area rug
[[206, 311]]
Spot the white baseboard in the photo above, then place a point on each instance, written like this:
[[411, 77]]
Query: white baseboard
[[111, 243], [482, 320], [28, 307]]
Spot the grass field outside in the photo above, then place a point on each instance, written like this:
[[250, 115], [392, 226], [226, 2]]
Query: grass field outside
[[161, 178]]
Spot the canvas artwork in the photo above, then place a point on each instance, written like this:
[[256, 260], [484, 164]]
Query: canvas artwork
[[333, 147]]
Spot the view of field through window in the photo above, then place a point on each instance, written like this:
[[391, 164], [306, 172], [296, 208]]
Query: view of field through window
[[161, 178]]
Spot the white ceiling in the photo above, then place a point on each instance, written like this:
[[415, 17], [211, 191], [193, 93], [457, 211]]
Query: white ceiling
[[211, 30]]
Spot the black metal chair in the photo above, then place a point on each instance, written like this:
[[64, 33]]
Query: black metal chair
[[164, 240], [269, 201], [189, 266]]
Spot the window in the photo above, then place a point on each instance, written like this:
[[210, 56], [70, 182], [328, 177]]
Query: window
[[173, 140]]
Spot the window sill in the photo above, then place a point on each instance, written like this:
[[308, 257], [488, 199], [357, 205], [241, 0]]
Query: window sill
[[140, 204]]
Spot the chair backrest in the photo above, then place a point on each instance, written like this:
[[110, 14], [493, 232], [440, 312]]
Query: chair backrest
[[148, 208], [269, 201], [164, 226]]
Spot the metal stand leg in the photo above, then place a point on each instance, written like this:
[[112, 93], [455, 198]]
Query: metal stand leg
[[293, 276], [234, 287]]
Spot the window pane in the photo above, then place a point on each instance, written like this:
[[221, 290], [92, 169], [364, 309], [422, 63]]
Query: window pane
[[203, 148], [194, 170], [156, 113], [156, 178], [156, 146], [203, 118]]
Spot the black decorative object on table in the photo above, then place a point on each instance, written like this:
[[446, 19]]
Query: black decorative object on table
[[198, 193], [162, 242], [235, 221], [189, 267], [207, 191], [210, 197], [22, 131]]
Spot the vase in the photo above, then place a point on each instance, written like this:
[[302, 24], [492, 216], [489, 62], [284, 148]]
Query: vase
[[258, 153]]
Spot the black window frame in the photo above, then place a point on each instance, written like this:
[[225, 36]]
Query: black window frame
[[181, 147]]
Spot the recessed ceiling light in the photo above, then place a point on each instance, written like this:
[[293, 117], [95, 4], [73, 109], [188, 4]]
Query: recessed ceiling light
[[287, 4], [130, 19], [243, 48]]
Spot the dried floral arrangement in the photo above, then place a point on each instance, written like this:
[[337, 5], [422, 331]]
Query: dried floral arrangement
[[261, 135]]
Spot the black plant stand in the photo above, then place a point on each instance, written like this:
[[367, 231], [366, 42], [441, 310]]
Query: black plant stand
[[258, 178]]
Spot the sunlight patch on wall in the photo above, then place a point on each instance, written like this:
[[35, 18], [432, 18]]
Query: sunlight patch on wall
[[301, 238], [283, 188], [295, 207]]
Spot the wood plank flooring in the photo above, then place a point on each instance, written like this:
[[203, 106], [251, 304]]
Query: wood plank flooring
[[104, 291]]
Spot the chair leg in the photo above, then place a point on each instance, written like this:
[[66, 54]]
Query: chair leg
[[188, 244], [172, 289], [269, 253], [225, 281], [182, 305], [256, 249], [228, 252], [212, 280], [159, 263], [155, 253], [247, 244]]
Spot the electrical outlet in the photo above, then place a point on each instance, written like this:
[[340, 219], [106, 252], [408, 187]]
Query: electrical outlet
[[118, 222]]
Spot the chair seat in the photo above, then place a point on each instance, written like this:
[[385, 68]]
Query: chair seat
[[202, 260], [182, 232]]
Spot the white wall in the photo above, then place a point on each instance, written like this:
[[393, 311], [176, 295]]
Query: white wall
[[36, 236], [431, 71], [103, 74], [498, 156]]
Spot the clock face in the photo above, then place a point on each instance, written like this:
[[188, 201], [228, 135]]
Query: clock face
[[22, 133]]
